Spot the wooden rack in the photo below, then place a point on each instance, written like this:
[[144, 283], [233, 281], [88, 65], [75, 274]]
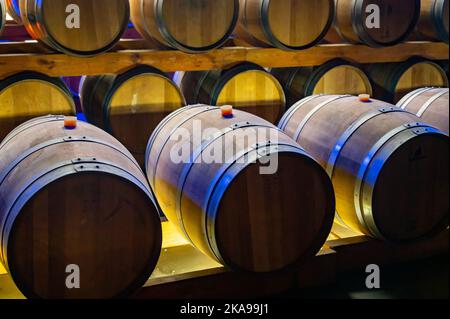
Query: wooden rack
[[184, 272], [19, 56]]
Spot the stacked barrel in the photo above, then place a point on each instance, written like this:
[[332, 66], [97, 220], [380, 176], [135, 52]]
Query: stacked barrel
[[389, 170], [130, 105], [27, 95], [247, 86], [232, 209], [73, 195], [202, 148]]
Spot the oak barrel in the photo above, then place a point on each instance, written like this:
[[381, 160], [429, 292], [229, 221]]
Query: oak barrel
[[430, 104], [74, 198], [190, 26], [433, 23], [27, 95], [389, 170], [130, 105], [232, 207], [355, 22], [334, 77], [392, 81], [76, 27], [246, 86], [285, 24]]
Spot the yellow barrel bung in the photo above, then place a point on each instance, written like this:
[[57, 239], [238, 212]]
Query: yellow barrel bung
[[74, 202], [392, 81], [130, 105], [76, 27], [334, 77], [27, 95], [190, 26], [229, 207], [247, 87], [285, 24]]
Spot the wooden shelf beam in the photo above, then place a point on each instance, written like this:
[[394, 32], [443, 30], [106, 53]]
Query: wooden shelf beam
[[129, 53]]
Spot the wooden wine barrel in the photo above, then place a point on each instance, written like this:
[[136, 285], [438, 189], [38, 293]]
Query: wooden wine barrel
[[13, 9], [285, 24], [54, 23], [430, 104], [27, 95], [433, 23], [392, 81], [389, 170], [230, 208], [130, 106], [246, 86], [334, 77], [74, 197], [190, 26], [397, 20]]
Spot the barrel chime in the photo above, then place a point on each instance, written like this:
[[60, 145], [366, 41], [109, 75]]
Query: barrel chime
[[246, 86], [74, 27], [130, 105], [191, 26], [73, 195], [430, 104], [27, 95], [389, 169], [356, 21], [227, 208], [433, 23], [287, 24], [392, 81], [334, 77]]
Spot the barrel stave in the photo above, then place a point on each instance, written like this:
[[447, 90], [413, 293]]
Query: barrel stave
[[341, 133], [75, 197]]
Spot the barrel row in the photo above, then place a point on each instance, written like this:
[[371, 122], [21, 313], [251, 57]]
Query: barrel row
[[202, 25], [233, 209], [389, 169], [131, 105]]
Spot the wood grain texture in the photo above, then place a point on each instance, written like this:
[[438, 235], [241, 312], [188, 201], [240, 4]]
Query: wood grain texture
[[431, 104], [171, 61], [434, 21], [397, 20], [392, 81], [334, 77], [247, 87], [102, 23], [402, 192], [130, 105], [286, 24], [27, 95], [95, 210], [187, 25], [256, 213]]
